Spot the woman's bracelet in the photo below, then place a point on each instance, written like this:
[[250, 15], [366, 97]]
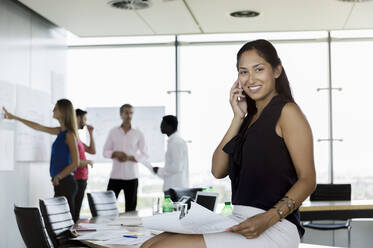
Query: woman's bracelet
[[289, 202], [292, 204], [279, 212]]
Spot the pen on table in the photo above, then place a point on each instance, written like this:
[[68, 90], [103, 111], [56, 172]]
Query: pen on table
[[130, 236]]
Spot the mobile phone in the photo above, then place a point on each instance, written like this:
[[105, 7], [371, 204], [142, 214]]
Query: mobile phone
[[240, 87]]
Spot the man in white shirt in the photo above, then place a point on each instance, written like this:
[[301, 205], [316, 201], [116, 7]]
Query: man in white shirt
[[125, 146], [175, 172]]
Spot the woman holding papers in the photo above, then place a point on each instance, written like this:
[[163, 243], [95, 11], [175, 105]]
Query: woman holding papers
[[64, 157], [267, 153]]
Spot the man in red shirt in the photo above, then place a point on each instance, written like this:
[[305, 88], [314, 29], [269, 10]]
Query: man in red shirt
[[81, 173]]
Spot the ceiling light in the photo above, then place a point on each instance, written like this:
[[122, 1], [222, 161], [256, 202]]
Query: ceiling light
[[130, 4], [244, 13]]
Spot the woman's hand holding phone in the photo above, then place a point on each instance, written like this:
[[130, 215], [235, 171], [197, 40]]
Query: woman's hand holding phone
[[237, 100]]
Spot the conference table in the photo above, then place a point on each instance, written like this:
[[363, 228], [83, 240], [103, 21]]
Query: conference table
[[107, 219], [336, 210], [94, 244], [315, 210]]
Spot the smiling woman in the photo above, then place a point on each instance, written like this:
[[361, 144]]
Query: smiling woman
[[261, 74], [255, 74], [267, 153]]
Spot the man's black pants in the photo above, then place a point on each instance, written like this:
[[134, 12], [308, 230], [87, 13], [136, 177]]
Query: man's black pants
[[129, 188]]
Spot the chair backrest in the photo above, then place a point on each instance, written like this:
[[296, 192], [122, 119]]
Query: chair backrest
[[31, 227], [57, 218], [102, 203], [177, 193], [331, 192]]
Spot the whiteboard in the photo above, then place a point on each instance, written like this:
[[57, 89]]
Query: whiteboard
[[146, 119], [36, 106]]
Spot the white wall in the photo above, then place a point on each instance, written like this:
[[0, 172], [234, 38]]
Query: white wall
[[30, 49]]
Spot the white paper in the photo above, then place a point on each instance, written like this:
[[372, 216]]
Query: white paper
[[199, 220], [126, 221], [125, 241], [57, 87], [7, 100], [97, 226], [101, 235], [35, 106], [7, 96], [7, 149]]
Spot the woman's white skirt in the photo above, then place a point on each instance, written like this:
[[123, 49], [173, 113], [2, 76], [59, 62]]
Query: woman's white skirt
[[283, 234]]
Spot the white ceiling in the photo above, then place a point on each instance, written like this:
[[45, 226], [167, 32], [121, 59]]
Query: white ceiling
[[95, 18]]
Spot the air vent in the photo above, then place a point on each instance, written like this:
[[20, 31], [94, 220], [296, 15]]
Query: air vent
[[244, 13], [130, 4]]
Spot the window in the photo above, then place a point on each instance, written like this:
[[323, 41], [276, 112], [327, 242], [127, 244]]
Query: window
[[306, 65], [209, 71], [102, 77], [205, 114], [142, 75], [353, 116]]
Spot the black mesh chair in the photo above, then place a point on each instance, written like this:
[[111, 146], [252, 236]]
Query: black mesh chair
[[331, 192], [31, 227], [58, 221], [102, 203], [177, 193]]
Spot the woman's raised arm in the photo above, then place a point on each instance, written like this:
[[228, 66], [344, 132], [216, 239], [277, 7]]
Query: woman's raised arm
[[31, 124]]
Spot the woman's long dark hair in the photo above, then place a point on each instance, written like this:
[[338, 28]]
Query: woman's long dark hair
[[267, 51]]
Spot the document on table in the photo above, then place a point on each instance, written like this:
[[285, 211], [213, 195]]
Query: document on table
[[95, 227], [102, 235], [199, 220], [125, 241], [126, 221], [116, 237]]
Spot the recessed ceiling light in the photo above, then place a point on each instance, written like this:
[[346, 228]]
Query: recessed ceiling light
[[244, 13], [130, 4]]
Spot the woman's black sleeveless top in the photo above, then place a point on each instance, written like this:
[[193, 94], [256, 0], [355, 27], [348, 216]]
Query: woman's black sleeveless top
[[260, 166]]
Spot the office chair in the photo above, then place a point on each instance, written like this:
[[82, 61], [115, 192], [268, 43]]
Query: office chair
[[331, 192], [58, 221], [103, 203], [177, 193], [31, 227]]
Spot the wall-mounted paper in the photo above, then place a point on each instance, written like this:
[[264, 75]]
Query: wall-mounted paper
[[6, 149], [7, 100], [57, 87], [8, 96], [35, 106]]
